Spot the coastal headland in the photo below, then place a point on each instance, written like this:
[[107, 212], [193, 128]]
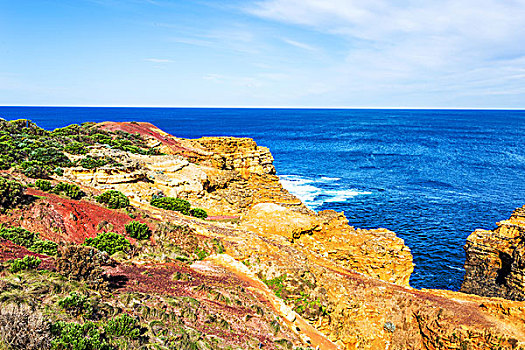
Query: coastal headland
[[147, 240]]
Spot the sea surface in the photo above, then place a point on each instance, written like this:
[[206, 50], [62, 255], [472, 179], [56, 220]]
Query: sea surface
[[431, 176]]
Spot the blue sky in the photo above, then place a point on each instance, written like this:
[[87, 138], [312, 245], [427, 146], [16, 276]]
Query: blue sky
[[326, 53]]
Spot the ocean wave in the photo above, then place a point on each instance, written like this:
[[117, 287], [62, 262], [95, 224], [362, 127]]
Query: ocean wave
[[312, 193], [455, 268]]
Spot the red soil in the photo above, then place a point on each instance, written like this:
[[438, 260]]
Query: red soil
[[10, 251], [147, 129], [62, 219]]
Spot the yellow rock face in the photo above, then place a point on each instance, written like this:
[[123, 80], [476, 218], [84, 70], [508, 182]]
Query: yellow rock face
[[349, 284], [495, 260], [328, 237]]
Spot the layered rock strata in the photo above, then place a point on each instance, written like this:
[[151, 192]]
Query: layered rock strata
[[328, 284], [495, 260], [224, 175], [377, 253]]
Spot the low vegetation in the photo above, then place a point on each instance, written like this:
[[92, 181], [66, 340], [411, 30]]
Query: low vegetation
[[62, 188], [113, 199], [25, 263], [138, 230], [28, 239], [109, 242], [11, 194], [39, 153], [177, 204]]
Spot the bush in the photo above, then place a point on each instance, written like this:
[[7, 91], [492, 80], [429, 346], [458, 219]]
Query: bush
[[76, 304], [19, 236], [198, 213], [50, 156], [43, 185], [11, 194], [109, 242], [123, 326], [70, 190], [83, 264], [44, 247], [113, 199], [138, 230], [170, 203], [34, 170], [92, 163], [26, 263], [75, 148], [28, 239], [23, 328], [74, 336]]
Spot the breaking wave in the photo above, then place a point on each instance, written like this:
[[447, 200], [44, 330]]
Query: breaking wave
[[313, 191]]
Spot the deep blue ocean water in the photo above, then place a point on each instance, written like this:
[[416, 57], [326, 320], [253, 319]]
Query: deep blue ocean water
[[432, 176]]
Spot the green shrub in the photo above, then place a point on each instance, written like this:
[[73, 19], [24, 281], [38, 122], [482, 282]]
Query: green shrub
[[76, 304], [43, 185], [26, 263], [44, 247], [59, 171], [34, 170], [11, 194], [6, 162], [113, 199], [75, 148], [123, 326], [50, 156], [170, 203], [109, 242], [92, 163], [19, 236], [138, 230], [74, 336], [198, 213], [70, 190]]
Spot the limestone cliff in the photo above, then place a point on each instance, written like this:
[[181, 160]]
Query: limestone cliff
[[277, 276], [495, 260], [224, 175], [377, 253]]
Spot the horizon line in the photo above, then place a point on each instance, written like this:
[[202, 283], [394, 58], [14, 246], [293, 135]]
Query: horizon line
[[271, 107]]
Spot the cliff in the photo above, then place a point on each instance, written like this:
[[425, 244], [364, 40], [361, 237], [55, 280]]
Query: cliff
[[495, 260], [263, 272]]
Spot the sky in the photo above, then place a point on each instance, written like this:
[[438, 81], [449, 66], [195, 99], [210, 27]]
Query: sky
[[265, 53]]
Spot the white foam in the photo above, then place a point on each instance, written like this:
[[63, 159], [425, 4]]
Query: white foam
[[455, 268], [314, 196], [326, 178]]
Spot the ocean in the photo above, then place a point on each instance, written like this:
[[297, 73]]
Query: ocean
[[431, 176]]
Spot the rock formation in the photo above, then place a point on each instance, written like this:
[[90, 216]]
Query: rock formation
[[495, 260], [224, 175], [279, 275]]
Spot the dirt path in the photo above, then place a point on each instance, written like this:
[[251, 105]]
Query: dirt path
[[309, 334]]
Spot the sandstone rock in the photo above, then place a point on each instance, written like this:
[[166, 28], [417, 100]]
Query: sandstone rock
[[376, 253], [495, 260], [224, 175]]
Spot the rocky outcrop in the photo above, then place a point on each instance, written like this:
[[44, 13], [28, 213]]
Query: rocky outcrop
[[355, 311], [377, 253], [224, 175], [282, 276], [495, 260]]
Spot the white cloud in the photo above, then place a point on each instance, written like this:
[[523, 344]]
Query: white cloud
[[414, 47], [158, 60], [299, 44]]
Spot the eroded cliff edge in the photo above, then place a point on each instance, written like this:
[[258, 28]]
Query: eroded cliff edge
[[495, 260], [284, 276]]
